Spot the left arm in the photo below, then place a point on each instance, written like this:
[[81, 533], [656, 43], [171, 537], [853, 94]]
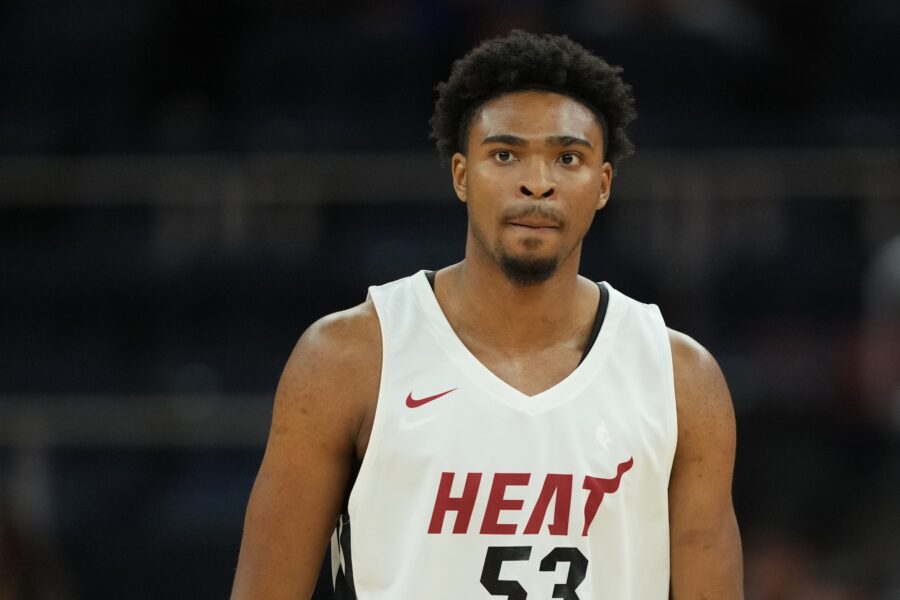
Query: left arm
[[705, 542]]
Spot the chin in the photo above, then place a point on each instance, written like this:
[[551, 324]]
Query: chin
[[528, 270]]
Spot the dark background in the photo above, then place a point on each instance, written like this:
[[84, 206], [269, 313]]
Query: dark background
[[184, 188]]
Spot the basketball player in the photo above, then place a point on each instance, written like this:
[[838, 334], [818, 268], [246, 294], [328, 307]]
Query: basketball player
[[519, 431]]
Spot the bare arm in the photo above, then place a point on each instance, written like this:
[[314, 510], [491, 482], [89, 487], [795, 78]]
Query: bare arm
[[321, 407], [705, 542]]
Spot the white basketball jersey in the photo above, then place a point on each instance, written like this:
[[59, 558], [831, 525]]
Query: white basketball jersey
[[472, 490]]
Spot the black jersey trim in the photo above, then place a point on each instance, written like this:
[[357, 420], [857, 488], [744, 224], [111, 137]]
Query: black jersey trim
[[344, 586], [598, 320], [602, 304]]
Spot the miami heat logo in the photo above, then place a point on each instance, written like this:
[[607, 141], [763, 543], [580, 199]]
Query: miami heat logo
[[555, 486]]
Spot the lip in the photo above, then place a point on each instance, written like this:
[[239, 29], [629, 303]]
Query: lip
[[535, 223]]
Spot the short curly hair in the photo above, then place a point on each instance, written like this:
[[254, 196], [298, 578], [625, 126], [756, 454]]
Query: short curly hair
[[523, 61]]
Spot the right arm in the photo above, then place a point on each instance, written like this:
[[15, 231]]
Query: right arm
[[322, 408]]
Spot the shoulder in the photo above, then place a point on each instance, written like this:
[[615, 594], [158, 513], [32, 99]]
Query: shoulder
[[342, 345], [335, 367], [690, 359], [343, 336], [702, 398]]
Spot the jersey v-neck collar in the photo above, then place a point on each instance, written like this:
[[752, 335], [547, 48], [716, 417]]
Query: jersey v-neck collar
[[602, 303], [553, 396]]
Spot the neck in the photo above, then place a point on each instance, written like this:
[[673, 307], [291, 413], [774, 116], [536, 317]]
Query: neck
[[480, 298]]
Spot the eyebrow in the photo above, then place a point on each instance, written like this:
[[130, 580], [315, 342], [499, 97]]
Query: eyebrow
[[505, 138], [556, 140], [569, 140]]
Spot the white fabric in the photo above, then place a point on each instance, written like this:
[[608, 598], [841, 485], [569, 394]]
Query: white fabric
[[617, 406]]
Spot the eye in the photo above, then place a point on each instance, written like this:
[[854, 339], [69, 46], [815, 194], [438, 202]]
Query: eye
[[504, 156], [570, 159]]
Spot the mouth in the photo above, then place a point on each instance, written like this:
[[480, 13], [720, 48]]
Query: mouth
[[535, 223]]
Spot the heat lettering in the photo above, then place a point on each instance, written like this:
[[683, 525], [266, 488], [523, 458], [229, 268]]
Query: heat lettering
[[556, 488], [599, 487], [561, 487], [464, 505], [497, 502]]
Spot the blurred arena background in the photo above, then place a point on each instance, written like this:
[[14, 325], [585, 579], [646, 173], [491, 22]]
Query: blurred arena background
[[185, 187]]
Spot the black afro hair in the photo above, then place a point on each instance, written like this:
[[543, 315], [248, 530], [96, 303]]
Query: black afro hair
[[523, 61]]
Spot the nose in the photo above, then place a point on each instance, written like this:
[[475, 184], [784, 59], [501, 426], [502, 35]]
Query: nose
[[537, 182]]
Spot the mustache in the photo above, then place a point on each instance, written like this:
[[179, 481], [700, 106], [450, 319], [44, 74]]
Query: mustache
[[544, 211]]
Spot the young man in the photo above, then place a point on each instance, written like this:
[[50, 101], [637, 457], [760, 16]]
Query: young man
[[520, 431]]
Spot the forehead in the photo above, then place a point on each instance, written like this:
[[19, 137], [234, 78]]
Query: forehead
[[535, 114]]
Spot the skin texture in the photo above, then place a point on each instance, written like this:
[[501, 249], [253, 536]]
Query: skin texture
[[532, 178], [705, 543]]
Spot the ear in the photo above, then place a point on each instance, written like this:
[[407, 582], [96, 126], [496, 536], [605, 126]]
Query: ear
[[606, 174], [458, 169]]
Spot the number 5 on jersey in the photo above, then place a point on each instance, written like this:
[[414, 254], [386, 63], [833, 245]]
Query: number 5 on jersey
[[513, 590]]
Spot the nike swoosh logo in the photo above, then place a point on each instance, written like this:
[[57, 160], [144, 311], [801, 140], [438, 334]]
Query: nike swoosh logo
[[413, 403]]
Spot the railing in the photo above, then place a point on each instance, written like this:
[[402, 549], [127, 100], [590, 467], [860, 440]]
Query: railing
[[311, 179], [142, 421]]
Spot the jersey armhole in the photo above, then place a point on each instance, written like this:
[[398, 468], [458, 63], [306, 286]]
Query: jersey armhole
[[365, 467], [671, 405]]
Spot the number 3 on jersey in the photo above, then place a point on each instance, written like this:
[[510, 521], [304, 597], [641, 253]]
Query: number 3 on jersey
[[513, 590]]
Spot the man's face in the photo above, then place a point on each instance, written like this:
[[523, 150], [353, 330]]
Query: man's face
[[532, 177]]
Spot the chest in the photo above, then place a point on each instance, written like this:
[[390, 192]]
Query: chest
[[529, 372]]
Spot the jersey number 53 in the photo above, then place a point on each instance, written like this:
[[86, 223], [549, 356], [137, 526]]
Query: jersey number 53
[[513, 590]]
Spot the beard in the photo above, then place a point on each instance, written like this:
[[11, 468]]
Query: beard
[[522, 269], [527, 271]]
